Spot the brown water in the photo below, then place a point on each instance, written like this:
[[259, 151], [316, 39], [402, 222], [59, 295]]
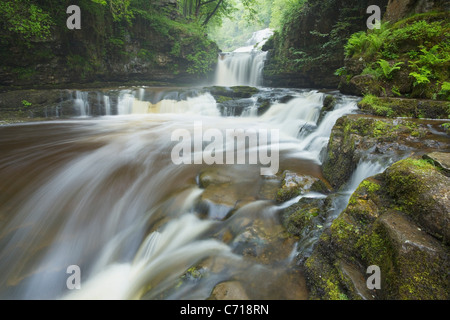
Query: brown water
[[105, 195]]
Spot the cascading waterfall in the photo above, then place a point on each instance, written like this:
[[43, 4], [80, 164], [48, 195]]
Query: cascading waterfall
[[243, 66], [81, 103], [107, 102], [240, 68], [104, 194], [122, 182]]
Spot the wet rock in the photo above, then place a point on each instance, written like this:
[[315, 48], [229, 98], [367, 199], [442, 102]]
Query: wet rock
[[440, 159], [219, 200], [424, 192], [293, 185], [286, 98], [360, 85], [229, 290], [356, 137], [225, 191], [305, 215], [235, 107], [381, 226], [328, 105], [232, 92], [402, 107], [269, 189], [321, 186], [213, 176]]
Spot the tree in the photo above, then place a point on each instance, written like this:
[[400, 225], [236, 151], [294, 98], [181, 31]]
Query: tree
[[204, 11], [24, 19]]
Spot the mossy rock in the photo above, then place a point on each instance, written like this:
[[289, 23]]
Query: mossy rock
[[409, 258], [401, 107], [232, 92], [293, 185], [423, 191], [355, 137], [305, 215], [322, 279], [387, 223]]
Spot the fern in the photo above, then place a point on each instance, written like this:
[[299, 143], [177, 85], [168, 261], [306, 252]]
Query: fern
[[387, 69], [421, 78]]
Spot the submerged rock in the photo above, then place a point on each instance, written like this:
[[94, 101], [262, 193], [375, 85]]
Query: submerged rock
[[305, 215], [293, 185], [392, 221], [229, 290], [226, 191]]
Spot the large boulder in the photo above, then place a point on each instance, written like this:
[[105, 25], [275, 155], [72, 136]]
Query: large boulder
[[361, 137], [391, 221]]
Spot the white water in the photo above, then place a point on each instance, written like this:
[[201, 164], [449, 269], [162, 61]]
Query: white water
[[243, 66], [107, 102], [81, 103], [94, 208]]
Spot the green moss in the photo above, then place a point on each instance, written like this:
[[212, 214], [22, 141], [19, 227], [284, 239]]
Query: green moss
[[324, 280], [422, 277], [370, 186], [343, 232], [374, 249], [304, 215], [372, 103], [221, 99], [403, 185]]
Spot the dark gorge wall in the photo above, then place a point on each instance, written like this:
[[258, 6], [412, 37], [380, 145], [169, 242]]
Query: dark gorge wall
[[155, 45], [310, 47]]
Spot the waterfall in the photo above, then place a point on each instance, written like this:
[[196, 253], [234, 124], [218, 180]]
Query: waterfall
[[115, 204], [317, 141], [107, 104], [105, 195], [81, 103], [125, 103], [244, 66]]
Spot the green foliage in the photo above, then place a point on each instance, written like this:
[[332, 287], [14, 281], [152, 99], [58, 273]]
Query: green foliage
[[421, 77], [199, 62], [375, 104], [236, 28], [367, 44], [445, 91], [26, 103], [284, 11], [419, 46], [387, 69], [119, 9], [79, 65], [25, 19]]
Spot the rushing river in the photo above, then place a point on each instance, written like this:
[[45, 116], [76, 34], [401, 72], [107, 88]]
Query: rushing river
[[105, 195]]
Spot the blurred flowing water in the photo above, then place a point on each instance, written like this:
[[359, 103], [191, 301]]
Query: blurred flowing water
[[100, 191]]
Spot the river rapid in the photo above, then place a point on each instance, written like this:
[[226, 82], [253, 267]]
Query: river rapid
[[104, 194]]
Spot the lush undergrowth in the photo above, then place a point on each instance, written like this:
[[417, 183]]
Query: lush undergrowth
[[410, 58], [132, 38]]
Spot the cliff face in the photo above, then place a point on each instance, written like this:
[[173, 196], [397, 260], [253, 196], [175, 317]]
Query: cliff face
[[154, 46], [399, 9], [310, 46]]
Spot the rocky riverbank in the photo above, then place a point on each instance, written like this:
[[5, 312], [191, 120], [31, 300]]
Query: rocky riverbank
[[397, 220]]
